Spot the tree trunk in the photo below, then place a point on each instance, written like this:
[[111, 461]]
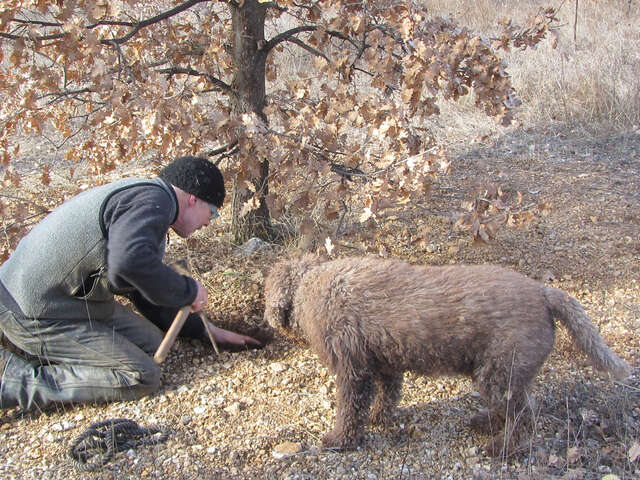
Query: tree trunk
[[256, 223], [249, 96]]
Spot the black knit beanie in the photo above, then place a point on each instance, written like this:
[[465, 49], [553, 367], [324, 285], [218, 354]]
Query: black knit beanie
[[197, 176]]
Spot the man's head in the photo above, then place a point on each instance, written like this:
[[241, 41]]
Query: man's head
[[197, 176], [200, 190]]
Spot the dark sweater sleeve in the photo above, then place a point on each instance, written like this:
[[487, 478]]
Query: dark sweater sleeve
[[137, 220], [163, 317]]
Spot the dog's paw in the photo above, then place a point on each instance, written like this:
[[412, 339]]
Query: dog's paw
[[338, 441], [498, 446], [481, 423]]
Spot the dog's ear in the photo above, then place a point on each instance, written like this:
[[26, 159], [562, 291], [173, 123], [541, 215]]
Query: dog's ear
[[279, 288]]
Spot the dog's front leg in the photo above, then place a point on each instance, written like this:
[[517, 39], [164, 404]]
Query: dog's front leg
[[354, 392]]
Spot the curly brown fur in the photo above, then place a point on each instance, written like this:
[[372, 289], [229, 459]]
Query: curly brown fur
[[370, 320]]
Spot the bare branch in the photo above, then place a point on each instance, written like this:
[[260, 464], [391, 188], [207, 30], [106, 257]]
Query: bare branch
[[289, 35], [116, 23], [190, 71], [284, 36], [224, 152], [27, 201], [59, 96], [308, 48], [36, 22], [64, 93], [158, 18], [224, 148], [135, 26], [12, 37], [122, 61]]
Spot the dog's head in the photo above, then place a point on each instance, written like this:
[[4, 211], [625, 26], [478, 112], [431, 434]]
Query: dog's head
[[280, 288]]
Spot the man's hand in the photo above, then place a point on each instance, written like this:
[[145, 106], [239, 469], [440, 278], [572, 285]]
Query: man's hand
[[225, 336], [201, 298]]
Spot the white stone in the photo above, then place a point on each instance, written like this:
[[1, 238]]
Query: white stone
[[277, 367]]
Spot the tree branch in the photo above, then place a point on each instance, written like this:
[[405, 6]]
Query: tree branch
[[36, 22], [65, 93], [25, 200], [122, 62], [225, 151], [289, 36], [158, 18], [224, 148], [308, 48], [284, 36], [190, 71], [12, 37], [135, 26]]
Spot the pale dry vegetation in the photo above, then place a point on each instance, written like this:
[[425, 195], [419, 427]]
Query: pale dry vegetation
[[590, 84], [575, 149]]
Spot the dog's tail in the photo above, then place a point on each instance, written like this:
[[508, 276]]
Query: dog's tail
[[584, 333]]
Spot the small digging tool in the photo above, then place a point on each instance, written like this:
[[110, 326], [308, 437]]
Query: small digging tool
[[171, 335]]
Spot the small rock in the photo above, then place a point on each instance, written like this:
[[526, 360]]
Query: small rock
[[63, 426], [286, 449], [185, 419], [251, 247], [277, 367], [233, 409]]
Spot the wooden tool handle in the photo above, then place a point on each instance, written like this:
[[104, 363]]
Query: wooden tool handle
[[172, 333], [208, 327]]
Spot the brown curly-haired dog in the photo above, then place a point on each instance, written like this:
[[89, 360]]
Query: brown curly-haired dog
[[370, 320]]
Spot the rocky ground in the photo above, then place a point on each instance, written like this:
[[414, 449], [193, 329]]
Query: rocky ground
[[261, 413]]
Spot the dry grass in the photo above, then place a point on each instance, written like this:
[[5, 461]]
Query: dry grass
[[591, 83]]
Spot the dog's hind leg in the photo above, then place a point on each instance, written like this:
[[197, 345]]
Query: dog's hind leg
[[388, 391], [503, 382], [354, 393]]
